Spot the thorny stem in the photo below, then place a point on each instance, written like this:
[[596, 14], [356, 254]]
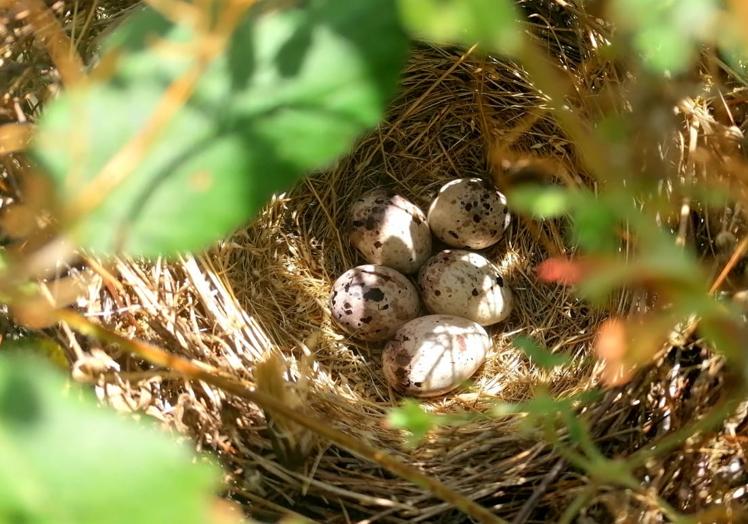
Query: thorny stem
[[215, 377], [14, 137]]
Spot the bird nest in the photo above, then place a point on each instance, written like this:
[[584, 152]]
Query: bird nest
[[264, 292]]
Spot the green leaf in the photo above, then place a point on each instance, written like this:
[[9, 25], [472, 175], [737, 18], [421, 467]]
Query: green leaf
[[666, 33], [540, 356], [412, 417], [40, 345], [64, 460], [491, 23], [292, 92], [541, 201], [595, 222]]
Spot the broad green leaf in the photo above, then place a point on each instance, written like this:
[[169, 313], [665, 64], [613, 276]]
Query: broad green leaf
[[41, 346], [291, 93], [667, 32], [491, 23], [540, 356], [63, 460], [595, 222], [541, 201]]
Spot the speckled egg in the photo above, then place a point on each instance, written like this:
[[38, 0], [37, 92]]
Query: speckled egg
[[469, 213], [370, 302], [390, 230], [433, 355], [457, 282]]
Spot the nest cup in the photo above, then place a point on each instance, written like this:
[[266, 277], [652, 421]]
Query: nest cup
[[265, 291]]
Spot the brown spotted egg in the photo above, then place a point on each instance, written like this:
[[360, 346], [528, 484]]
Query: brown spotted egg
[[469, 213], [466, 284], [433, 355], [371, 302], [390, 230]]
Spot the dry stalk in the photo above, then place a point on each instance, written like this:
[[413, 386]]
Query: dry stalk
[[56, 41], [188, 369]]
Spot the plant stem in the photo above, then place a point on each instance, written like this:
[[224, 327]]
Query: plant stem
[[215, 377], [712, 419], [547, 79], [60, 48]]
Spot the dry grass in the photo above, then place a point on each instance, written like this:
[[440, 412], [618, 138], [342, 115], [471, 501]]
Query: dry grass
[[265, 289]]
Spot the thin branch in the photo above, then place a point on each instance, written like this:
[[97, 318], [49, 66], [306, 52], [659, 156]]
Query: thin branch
[[740, 250], [59, 47], [14, 137], [708, 422], [242, 389], [548, 79]]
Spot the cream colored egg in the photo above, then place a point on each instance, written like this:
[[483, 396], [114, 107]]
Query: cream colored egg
[[466, 284], [469, 213], [370, 302], [435, 354], [390, 230]]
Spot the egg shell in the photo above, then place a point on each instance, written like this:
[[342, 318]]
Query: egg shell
[[466, 284], [370, 302], [433, 355], [390, 230], [469, 213]]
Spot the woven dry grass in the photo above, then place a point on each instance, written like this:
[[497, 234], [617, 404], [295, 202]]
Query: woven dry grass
[[264, 291]]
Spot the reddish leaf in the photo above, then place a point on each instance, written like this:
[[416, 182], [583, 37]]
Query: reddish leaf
[[624, 345], [611, 340], [562, 270], [611, 345]]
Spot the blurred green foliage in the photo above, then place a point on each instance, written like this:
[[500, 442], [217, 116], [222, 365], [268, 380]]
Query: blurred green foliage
[[493, 24], [667, 33], [63, 460], [291, 92], [539, 355]]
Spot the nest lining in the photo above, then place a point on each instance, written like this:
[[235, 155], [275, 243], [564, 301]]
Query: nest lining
[[266, 290]]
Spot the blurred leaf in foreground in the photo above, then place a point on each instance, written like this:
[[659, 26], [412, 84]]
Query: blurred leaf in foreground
[[42, 346], [493, 24], [541, 201], [667, 33], [63, 460], [291, 93], [411, 417], [539, 355]]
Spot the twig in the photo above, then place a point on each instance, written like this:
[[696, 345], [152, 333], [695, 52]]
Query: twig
[[14, 137], [217, 378], [577, 504], [712, 419], [529, 504], [59, 47], [740, 250], [548, 80]]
